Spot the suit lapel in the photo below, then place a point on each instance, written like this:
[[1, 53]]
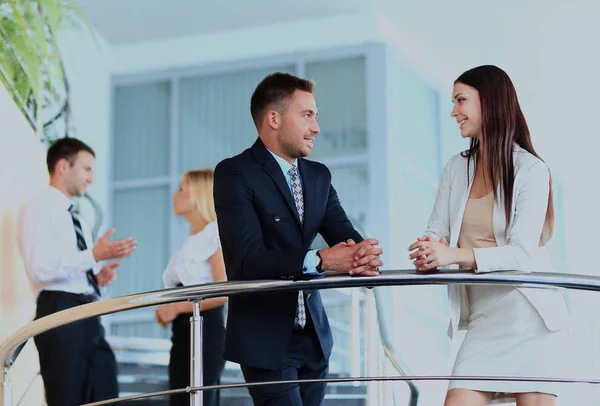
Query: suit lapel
[[273, 169]]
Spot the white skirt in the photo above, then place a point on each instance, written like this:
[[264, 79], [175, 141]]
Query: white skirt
[[507, 337]]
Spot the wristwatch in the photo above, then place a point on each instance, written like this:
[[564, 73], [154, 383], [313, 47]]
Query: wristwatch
[[319, 263]]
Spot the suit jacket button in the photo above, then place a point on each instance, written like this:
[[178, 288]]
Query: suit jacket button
[[277, 219]]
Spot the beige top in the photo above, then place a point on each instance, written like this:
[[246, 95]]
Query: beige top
[[477, 231]]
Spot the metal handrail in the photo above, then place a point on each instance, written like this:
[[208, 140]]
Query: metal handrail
[[387, 278], [210, 290], [344, 380]]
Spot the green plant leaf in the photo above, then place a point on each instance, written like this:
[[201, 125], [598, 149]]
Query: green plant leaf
[[31, 65]]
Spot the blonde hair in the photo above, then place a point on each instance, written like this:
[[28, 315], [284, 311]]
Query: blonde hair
[[201, 193]]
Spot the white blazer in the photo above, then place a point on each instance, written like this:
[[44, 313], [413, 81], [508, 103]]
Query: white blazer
[[518, 249]]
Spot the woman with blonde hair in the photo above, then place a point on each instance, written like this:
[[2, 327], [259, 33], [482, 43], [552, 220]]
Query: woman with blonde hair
[[199, 260]]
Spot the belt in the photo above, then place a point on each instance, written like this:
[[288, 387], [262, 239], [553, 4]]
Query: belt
[[80, 297]]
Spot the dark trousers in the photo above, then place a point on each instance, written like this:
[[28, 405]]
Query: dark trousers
[[213, 329], [303, 359], [77, 364]]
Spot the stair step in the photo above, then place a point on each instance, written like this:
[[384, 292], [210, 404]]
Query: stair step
[[147, 371]]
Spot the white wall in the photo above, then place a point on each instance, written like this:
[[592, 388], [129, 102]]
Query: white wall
[[23, 174], [88, 66], [564, 108]]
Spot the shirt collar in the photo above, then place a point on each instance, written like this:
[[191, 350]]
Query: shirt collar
[[58, 198], [283, 164]]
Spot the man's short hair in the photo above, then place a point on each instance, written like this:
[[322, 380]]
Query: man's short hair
[[276, 91], [65, 148]]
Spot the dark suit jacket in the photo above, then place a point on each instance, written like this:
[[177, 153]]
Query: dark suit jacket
[[262, 238]]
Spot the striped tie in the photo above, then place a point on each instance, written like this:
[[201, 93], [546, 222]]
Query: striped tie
[[299, 200], [82, 247]]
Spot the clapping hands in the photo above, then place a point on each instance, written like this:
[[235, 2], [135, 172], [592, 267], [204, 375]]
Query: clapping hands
[[107, 274]]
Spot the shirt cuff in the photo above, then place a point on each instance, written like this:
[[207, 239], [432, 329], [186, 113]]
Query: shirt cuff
[[88, 258], [310, 263], [96, 269]]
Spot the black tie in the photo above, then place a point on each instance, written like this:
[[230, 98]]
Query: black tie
[[82, 247]]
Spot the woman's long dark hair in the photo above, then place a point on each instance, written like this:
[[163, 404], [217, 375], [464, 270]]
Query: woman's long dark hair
[[503, 124]]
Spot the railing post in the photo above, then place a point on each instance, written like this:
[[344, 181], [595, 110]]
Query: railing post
[[196, 397], [373, 345], [6, 395], [355, 350]]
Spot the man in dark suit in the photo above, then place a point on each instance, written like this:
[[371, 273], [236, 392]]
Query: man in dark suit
[[270, 205]]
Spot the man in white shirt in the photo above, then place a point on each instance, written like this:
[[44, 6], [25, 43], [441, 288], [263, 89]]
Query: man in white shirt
[[77, 364]]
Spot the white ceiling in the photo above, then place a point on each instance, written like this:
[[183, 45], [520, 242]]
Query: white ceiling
[[123, 21], [465, 31]]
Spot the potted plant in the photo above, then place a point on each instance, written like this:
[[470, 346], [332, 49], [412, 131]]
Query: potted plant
[[32, 70], [31, 67]]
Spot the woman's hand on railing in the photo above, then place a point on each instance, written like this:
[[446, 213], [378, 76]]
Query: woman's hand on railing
[[429, 253]]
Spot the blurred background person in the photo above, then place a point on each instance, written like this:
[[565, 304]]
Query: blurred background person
[[76, 362], [198, 261]]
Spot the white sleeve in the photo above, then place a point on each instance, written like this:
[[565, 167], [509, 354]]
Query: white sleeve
[[169, 275], [193, 268], [522, 250], [97, 268], [438, 225], [44, 256]]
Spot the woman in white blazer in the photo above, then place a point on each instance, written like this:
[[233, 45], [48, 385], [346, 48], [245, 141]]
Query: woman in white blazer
[[494, 212]]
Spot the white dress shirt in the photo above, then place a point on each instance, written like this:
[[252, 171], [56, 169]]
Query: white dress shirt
[[310, 260], [518, 248], [48, 244], [189, 265]]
